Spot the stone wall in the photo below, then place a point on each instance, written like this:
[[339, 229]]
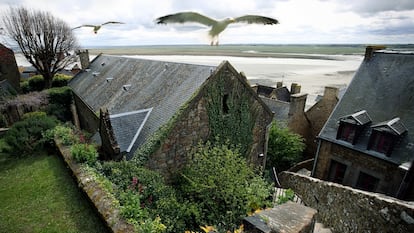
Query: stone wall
[[8, 67], [89, 121], [13, 110], [317, 115], [389, 175], [189, 130], [345, 209], [101, 199], [193, 124], [298, 123]]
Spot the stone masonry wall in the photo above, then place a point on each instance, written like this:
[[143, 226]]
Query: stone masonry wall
[[87, 118], [345, 209], [317, 115], [185, 135], [8, 67], [193, 126], [388, 174], [101, 199]]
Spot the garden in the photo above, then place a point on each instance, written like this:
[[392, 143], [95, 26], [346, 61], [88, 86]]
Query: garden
[[216, 190]]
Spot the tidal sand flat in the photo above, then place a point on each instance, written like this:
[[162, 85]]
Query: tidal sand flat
[[311, 66]]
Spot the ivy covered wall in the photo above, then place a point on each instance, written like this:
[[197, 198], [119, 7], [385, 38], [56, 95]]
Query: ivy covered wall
[[225, 107]]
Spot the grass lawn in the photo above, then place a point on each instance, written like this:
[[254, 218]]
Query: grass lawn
[[38, 194]]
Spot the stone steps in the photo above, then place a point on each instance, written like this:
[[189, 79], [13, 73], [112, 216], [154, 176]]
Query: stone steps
[[320, 228]]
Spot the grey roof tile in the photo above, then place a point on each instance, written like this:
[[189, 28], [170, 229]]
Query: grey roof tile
[[384, 87], [128, 84], [127, 127]]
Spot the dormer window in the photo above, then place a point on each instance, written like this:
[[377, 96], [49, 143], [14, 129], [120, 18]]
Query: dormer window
[[385, 135], [351, 126]]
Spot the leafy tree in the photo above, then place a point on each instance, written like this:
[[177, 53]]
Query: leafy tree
[[44, 40], [284, 148], [224, 186]]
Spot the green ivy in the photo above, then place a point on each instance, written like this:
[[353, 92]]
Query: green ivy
[[231, 115]]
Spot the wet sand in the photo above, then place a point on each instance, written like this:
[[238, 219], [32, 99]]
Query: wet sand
[[311, 71]]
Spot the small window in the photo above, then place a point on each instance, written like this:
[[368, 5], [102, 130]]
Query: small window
[[381, 142], [367, 182], [347, 132], [337, 172], [225, 105]]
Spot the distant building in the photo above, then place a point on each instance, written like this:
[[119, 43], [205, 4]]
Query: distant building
[[368, 140], [132, 101], [8, 67], [289, 111]]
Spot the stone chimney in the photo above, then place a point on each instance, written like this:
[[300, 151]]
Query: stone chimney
[[369, 51], [84, 58], [110, 146], [279, 84], [294, 88], [297, 104], [330, 93]]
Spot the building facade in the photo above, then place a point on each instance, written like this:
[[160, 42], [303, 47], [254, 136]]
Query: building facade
[[368, 140], [158, 112]]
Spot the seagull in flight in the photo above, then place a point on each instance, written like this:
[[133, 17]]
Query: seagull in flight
[[97, 27], [217, 26]]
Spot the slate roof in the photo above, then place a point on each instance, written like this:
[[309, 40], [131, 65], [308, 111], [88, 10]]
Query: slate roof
[[359, 118], [280, 110], [124, 85], [283, 94], [383, 86], [393, 126], [280, 93], [127, 127], [6, 89]]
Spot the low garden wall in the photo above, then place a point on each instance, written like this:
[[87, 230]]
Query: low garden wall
[[345, 209], [103, 201]]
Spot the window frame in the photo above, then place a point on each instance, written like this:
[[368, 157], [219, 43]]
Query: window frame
[[360, 182], [377, 142], [338, 165]]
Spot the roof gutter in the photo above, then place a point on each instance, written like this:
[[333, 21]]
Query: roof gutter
[[316, 157]]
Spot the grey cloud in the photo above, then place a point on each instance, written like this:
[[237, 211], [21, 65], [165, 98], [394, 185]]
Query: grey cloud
[[370, 7]]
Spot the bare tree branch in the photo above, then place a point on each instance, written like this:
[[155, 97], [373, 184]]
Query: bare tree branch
[[46, 41]]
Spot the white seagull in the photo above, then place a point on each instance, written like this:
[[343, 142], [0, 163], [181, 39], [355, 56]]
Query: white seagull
[[97, 27], [216, 26]]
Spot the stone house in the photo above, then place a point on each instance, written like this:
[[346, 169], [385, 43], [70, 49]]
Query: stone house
[[157, 112], [368, 140], [8, 67], [289, 111]]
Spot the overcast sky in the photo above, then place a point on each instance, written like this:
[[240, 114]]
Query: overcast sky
[[301, 21]]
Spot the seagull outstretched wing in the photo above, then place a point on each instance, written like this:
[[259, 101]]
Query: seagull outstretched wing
[[115, 22], [186, 17], [255, 19]]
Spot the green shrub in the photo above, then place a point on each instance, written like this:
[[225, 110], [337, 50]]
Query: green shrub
[[60, 80], [284, 148], [131, 208], [158, 199], [36, 83], [221, 182], [151, 226], [24, 87], [26, 136], [60, 99], [84, 153], [63, 133], [288, 195]]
